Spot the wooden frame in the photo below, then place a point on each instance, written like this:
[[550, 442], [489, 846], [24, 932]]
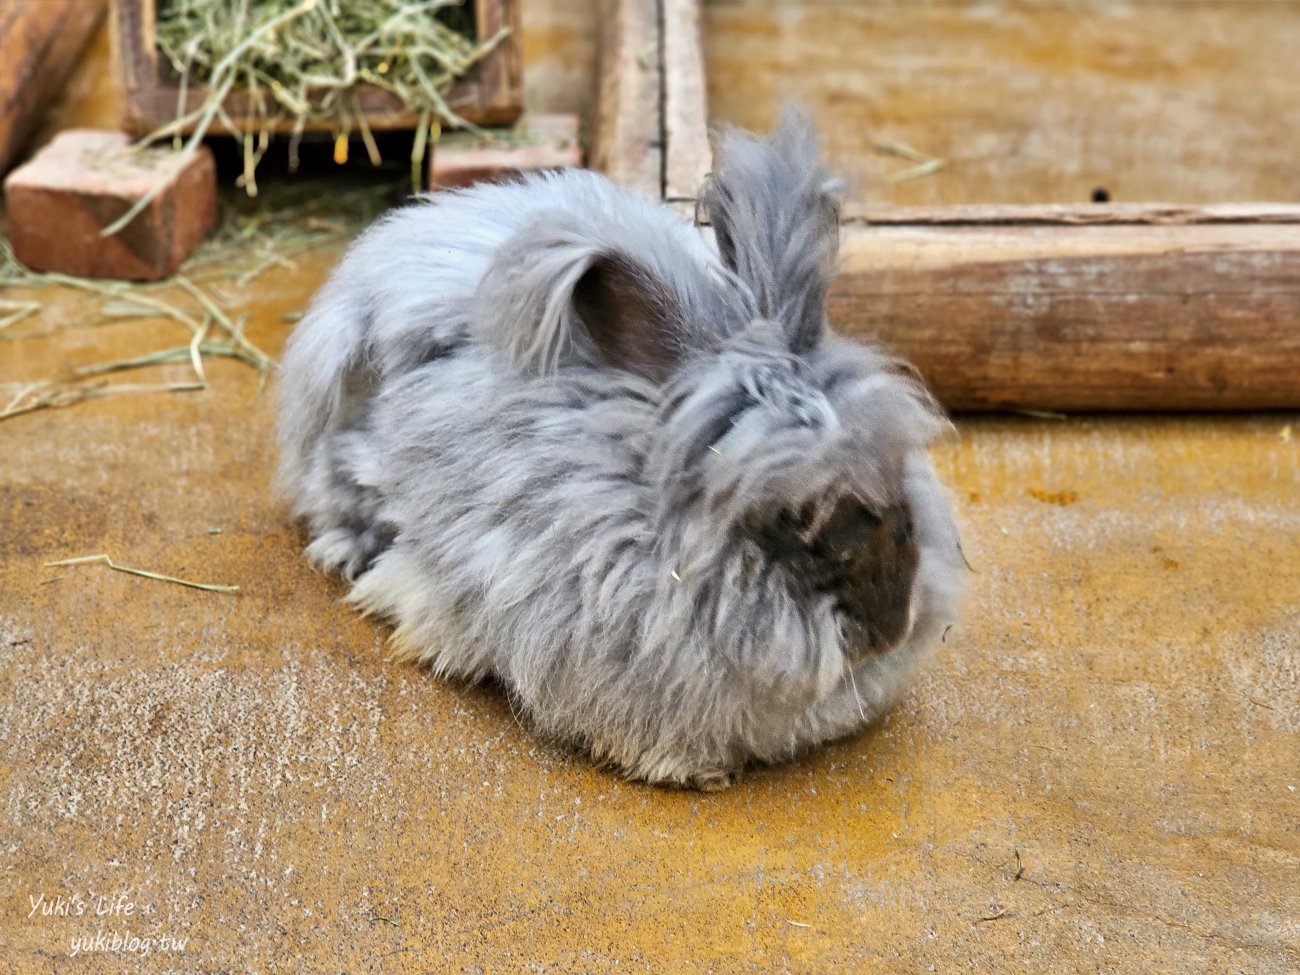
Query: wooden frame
[[491, 94], [1108, 307]]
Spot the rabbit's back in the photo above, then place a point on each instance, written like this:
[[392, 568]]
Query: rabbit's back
[[405, 290], [407, 293], [524, 500]]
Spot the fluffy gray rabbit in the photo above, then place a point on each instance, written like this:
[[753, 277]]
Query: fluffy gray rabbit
[[556, 438]]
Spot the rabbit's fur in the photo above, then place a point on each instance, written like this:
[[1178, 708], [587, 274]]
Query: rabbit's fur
[[554, 437]]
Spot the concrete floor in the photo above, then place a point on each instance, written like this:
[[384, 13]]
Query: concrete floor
[[1117, 715], [1119, 706]]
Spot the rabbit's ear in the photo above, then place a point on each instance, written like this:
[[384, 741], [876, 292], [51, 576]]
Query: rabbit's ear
[[631, 318], [775, 213], [564, 291]]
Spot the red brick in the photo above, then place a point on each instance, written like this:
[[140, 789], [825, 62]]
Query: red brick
[[537, 142], [82, 181]]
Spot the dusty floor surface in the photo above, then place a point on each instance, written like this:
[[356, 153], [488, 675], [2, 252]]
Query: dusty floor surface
[[1117, 715]]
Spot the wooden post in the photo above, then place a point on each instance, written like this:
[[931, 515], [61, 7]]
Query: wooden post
[[626, 133], [499, 76], [687, 157], [40, 41]]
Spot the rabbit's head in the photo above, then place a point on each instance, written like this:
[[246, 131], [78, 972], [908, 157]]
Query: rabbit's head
[[776, 438]]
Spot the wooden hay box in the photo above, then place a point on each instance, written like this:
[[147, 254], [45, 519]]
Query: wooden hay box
[[491, 94]]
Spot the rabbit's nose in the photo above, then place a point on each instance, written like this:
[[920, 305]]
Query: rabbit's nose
[[865, 559], [871, 560]]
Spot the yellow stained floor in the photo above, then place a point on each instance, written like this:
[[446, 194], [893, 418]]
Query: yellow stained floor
[[1098, 773]]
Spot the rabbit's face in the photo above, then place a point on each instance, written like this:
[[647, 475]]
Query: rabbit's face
[[802, 460]]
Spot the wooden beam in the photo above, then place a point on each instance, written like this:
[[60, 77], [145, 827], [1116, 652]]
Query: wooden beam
[[626, 137], [687, 156], [40, 41], [1179, 316]]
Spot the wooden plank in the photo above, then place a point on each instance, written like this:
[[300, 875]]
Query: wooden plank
[[40, 41], [500, 75], [1181, 317], [626, 137], [137, 56], [687, 156], [1074, 214]]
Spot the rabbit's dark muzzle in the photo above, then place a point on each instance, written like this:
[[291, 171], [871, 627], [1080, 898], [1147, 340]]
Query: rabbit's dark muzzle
[[866, 559]]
